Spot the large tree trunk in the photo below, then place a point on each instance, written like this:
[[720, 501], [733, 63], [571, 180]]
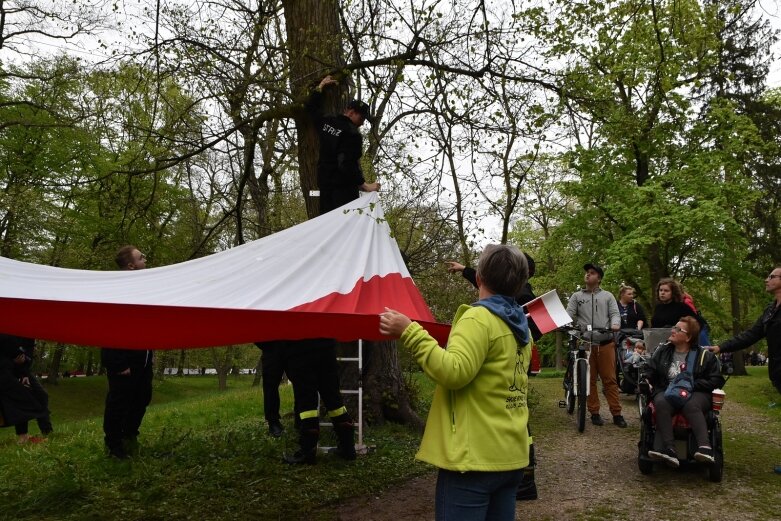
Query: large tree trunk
[[315, 49], [258, 371], [738, 363], [222, 365], [385, 392], [54, 368], [180, 365]]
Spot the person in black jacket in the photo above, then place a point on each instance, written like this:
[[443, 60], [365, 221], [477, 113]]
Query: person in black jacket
[[21, 395], [670, 306], [339, 174], [526, 295], [272, 370], [768, 326], [313, 369], [666, 363], [129, 373]]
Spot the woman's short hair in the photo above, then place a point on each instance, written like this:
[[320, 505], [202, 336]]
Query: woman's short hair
[[623, 289], [675, 288], [125, 256], [503, 269], [692, 330]]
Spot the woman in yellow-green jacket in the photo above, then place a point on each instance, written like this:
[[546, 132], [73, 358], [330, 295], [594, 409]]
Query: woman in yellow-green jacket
[[476, 429]]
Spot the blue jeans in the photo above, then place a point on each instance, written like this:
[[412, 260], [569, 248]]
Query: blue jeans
[[473, 496]]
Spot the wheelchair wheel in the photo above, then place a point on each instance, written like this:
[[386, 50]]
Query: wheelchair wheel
[[716, 469], [646, 466], [582, 374]]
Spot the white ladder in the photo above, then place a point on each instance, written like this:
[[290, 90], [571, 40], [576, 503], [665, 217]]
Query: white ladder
[[360, 448]]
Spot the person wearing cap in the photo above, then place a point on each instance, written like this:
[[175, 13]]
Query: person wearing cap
[[767, 326], [592, 308], [339, 174]]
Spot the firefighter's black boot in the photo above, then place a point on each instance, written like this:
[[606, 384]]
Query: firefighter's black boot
[[307, 439], [345, 436]]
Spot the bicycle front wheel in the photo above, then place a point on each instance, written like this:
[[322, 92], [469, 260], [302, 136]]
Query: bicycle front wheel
[[582, 374], [569, 389]]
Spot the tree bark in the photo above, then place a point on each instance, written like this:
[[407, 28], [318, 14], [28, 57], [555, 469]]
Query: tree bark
[[54, 368], [385, 392], [223, 366], [738, 362], [315, 49], [258, 371]]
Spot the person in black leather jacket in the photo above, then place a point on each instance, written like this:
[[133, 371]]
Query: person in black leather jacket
[[666, 363], [768, 326]]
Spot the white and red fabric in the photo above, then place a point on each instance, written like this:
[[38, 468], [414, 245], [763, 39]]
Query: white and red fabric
[[328, 277], [547, 312]]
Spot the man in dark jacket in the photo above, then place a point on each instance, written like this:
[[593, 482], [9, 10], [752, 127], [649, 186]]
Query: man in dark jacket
[[129, 373], [21, 395], [767, 326], [339, 174], [313, 369]]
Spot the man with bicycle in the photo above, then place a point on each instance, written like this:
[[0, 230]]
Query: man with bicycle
[[593, 308]]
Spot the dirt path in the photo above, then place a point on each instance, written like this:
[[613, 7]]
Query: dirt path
[[594, 475]]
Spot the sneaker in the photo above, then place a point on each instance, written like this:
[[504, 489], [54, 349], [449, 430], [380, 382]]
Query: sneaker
[[596, 419], [777, 469], [704, 454], [275, 429], [667, 455], [619, 421]]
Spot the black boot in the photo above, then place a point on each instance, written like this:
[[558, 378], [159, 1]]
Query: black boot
[[308, 438], [345, 437], [527, 488]]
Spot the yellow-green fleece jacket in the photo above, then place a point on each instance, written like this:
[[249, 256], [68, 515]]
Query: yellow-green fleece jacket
[[479, 413]]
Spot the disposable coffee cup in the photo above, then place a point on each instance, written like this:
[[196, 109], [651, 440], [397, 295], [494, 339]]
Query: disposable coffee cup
[[717, 399]]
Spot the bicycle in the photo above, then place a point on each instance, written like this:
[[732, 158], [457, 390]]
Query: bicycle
[[576, 377]]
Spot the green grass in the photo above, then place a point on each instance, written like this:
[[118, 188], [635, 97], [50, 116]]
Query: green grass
[[82, 398], [206, 455]]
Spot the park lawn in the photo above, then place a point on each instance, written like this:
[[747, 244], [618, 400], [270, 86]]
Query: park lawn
[[207, 456]]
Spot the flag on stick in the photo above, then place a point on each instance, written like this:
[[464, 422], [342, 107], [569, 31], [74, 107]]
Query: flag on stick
[[548, 312]]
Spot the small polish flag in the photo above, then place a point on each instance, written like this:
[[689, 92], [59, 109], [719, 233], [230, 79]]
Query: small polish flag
[[547, 312]]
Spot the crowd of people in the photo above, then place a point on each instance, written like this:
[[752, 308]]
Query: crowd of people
[[477, 431]]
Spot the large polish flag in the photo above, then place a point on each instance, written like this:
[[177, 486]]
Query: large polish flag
[[547, 312], [328, 277]]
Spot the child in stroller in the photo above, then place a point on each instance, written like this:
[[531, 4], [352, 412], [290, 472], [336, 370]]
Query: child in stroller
[[627, 364]]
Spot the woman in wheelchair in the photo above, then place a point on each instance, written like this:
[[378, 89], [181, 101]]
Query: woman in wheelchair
[[673, 391]]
